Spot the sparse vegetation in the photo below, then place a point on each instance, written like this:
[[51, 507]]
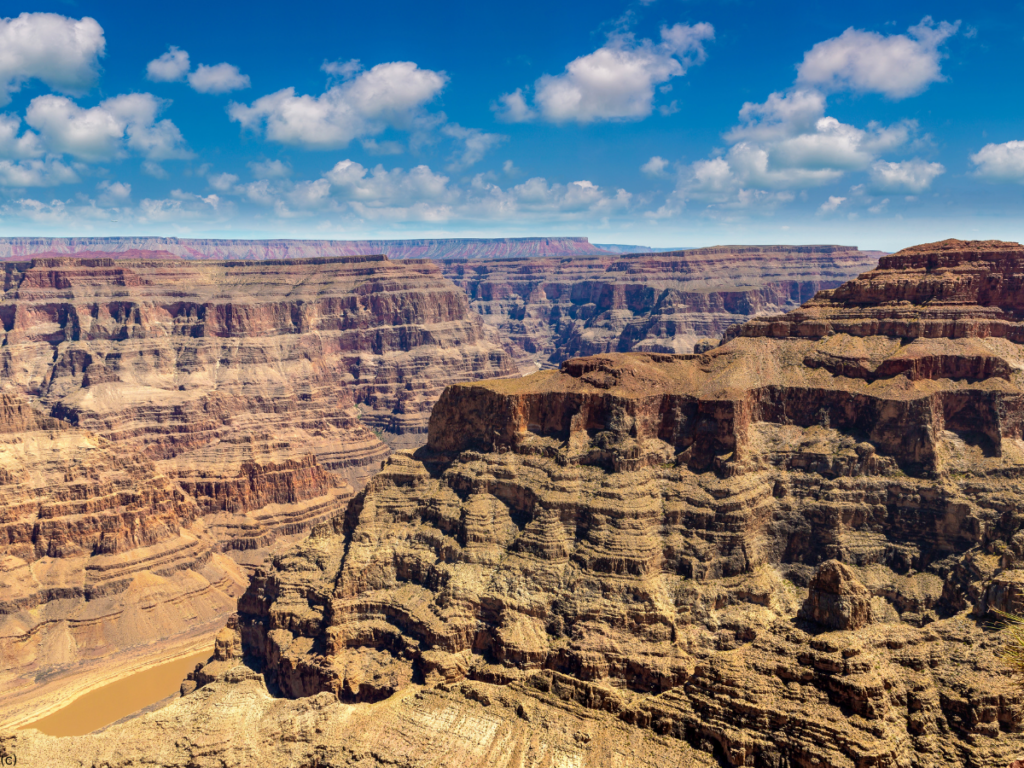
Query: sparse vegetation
[[1012, 628]]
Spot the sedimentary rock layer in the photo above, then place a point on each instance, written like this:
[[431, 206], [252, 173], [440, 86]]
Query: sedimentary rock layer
[[164, 424], [551, 309], [746, 557], [428, 248]]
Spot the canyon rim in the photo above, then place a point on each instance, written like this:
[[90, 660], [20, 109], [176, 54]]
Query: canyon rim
[[784, 550]]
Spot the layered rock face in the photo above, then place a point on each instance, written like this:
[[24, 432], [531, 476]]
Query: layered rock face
[[165, 424], [427, 248], [744, 557], [549, 310]]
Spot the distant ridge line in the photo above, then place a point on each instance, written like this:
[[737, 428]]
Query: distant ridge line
[[281, 248]]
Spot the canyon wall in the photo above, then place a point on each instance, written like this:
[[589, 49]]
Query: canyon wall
[[424, 248], [785, 551], [548, 310], [165, 424]]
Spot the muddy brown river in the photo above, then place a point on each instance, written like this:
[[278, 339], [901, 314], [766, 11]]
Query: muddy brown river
[[121, 698]]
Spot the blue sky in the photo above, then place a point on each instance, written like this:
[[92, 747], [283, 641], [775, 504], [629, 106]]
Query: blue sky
[[661, 123]]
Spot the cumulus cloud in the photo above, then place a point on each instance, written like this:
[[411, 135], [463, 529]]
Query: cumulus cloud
[[114, 192], [269, 169], [260, 192], [381, 187], [309, 194], [909, 176], [180, 206], [789, 141], [800, 136], [174, 66], [345, 70], [12, 145], [222, 182], [375, 147], [615, 82], [351, 190], [108, 130], [64, 53], [1000, 162], [474, 144], [35, 173], [392, 94], [537, 194], [896, 66], [35, 210], [512, 108], [219, 78], [830, 205], [170, 67], [655, 167]]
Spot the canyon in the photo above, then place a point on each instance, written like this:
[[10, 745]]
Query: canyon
[[166, 424], [785, 550], [548, 310], [258, 250]]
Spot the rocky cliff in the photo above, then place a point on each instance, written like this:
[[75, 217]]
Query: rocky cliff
[[165, 424], [548, 310], [429, 248], [782, 552]]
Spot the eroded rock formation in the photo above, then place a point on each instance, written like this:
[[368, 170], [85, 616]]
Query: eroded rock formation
[[742, 558], [187, 248], [551, 309], [165, 423]]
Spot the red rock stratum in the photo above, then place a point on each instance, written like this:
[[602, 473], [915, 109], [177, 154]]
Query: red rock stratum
[[782, 552], [165, 423], [550, 309]]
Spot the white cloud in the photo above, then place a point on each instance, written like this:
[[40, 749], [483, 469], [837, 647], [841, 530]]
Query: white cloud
[[180, 206], [475, 144], [655, 167], [897, 66], [711, 179], [380, 187], [174, 66], [391, 94], [830, 205], [269, 169], [512, 108], [219, 78], [539, 198], [35, 173], [615, 82], [309, 194], [537, 194], [114, 193], [37, 211], [1000, 162], [108, 130], [375, 147], [116, 189], [909, 176], [222, 182], [794, 127], [786, 142], [153, 169], [170, 67], [510, 168], [260, 192], [64, 53], [14, 146], [346, 70]]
